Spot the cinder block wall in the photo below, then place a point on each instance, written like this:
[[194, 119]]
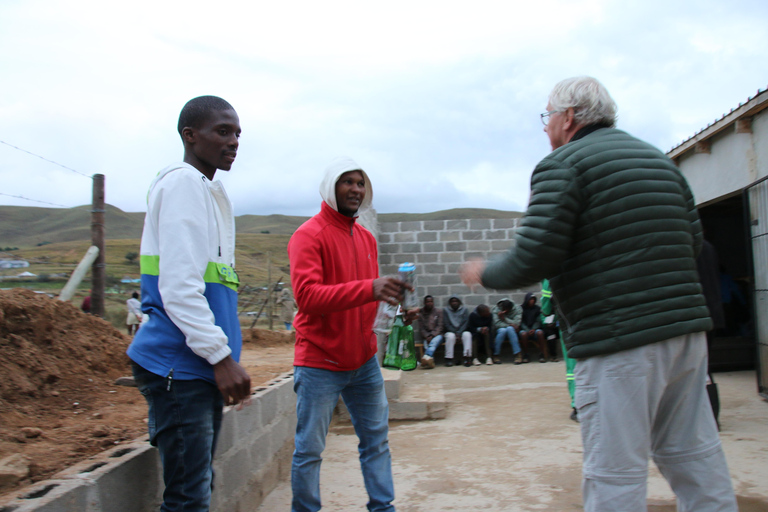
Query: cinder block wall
[[253, 455], [439, 247]]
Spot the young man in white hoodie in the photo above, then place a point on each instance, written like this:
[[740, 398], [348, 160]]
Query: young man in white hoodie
[[185, 356]]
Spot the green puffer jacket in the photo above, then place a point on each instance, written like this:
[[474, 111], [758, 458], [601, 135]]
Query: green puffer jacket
[[611, 221]]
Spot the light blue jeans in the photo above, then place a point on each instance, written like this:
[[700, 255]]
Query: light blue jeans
[[317, 393], [506, 333], [433, 344]]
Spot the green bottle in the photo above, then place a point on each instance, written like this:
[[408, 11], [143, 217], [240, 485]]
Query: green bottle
[[408, 349], [393, 358]]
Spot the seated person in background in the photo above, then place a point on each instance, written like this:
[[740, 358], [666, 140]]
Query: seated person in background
[[531, 328], [480, 322], [431, 327], [506, 321], [455, 323]]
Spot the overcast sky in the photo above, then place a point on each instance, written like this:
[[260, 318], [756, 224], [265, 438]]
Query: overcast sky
[[439, 101]]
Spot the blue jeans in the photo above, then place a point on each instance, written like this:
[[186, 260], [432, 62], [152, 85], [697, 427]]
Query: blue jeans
[[317, 393], [506, 333], [433, 344], [184, 423]]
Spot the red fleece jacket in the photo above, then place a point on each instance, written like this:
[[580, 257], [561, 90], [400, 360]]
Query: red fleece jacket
[[333, 264]]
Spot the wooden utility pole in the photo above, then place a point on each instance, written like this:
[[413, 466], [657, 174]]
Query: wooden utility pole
[[98, 269], [269, 289]]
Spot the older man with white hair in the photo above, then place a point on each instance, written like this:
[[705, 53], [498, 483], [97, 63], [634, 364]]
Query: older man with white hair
[[613, 224]]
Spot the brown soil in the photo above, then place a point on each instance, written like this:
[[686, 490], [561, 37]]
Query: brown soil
[[59, 403]]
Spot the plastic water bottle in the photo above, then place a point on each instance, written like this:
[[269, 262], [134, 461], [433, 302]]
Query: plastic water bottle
[[407, 272]]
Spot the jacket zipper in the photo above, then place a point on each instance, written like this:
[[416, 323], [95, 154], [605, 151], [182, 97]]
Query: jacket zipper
[[169, 379]]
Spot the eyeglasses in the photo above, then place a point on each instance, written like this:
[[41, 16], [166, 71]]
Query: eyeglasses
[[545, 116]]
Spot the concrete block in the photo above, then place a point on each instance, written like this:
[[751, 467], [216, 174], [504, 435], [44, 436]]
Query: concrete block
[[500, 234], [459, 289], [386, 270], [433, 247], [504, 223], [479, 245], [456, 224], [55, 496], [385, 259], [427, 279], [437, 291], [474, 254], [497, 245], [414, 225], [268, 405], [425, 402], [434, 268], [426, 236], [410, 248], [389, 227], [389, 248], [402, 258], [471, 235], [114, 475], [480, 224], [427, 257], [384, 238], [450, 236], [405, 237], [434, 225], [453, 268], [450, 279], [392, 380], [451, 257], [456, 246]]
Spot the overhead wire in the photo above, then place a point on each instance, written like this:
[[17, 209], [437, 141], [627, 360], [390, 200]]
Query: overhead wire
[[47, 160]]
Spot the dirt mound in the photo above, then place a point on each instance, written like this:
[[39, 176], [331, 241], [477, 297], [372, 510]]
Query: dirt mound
[[266, 338], [49, 346], [59, 403]]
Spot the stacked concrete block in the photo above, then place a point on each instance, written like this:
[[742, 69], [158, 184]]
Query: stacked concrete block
[[253, 455], [255, 447], [439, 247]]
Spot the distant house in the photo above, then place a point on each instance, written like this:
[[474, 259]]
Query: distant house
[[13, 264]]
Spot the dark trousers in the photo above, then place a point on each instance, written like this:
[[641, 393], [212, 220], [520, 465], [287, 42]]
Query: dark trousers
[[184, 423]]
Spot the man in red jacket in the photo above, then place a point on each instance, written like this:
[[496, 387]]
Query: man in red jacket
[[335, 278]]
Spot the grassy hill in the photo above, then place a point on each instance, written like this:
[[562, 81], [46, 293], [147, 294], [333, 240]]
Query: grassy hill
[[54, 241]]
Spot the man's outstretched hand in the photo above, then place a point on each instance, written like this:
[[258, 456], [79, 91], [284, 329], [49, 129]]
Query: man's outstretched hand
[[389, 290], [233, 382]]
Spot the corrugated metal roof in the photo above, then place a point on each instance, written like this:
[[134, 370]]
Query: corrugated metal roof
[[752, 106]]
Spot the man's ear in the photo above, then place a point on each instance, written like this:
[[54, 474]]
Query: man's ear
[[569, 121], [188, 135]]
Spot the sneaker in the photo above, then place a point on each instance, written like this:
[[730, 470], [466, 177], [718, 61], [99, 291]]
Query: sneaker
[[525, 358], [449, 363], [476, 362], [489, 361], [575, 415], [467, 361], [427, 362], [496, 360], [542, 359], [518, 358]]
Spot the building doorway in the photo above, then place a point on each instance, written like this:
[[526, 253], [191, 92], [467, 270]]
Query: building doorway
[[725, 227]]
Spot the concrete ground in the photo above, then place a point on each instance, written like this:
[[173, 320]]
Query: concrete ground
[[507, 445]]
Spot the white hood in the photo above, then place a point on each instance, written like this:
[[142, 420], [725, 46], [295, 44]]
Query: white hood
[[335, 169]]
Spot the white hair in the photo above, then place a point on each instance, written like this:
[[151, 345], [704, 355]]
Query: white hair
[[589, 99]]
